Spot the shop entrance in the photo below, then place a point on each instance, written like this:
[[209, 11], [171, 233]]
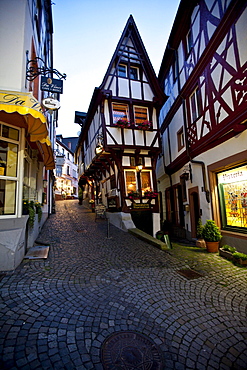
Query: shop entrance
[[143, 220], [194, 209]]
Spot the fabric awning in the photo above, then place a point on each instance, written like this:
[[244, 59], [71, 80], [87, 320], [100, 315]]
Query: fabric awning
[[47, 153], [23, 110]]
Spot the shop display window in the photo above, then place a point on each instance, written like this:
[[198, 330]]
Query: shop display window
[[130, 178], [9, 146], [232, 187]]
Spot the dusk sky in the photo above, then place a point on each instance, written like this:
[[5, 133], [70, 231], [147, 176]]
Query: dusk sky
[[86, 34]]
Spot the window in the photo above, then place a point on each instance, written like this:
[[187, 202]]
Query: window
[[133, 73], [180, 139], [120, 111], [232, 188], [174, 70], [146, 181], [140, 114], [195, 104], [9, 147], [122, 70], [189, 42], [58, 171], [130, 178], [68, 171]]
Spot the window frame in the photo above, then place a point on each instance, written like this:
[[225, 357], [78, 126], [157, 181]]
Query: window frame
[[115, 118], [195, 104], [127, 70], [180, 139], [135, 179], [8, 178], [134, 113]]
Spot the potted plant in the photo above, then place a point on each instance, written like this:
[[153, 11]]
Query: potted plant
[[240, 258], [200, 242], [226, 251], [212, 235], [32, 213], [25, 206], [38, 210]]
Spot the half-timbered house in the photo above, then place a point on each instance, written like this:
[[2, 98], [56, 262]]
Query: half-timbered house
[[203, 168], [119, 143]]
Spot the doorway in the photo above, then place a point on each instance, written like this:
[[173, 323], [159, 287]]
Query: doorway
[[194, 209]]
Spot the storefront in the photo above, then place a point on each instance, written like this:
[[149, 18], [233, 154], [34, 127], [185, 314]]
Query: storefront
[[26, 155], [232, 189]]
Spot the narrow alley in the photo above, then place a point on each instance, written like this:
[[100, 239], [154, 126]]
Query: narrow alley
[[104, 299]]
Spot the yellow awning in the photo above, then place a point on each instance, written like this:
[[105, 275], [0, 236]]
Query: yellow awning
[[23, 110], [47, 155]]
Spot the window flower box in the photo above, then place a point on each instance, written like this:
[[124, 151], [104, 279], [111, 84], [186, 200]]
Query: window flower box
[[150, 194], [145, 125], [133, 195], [121, 123]]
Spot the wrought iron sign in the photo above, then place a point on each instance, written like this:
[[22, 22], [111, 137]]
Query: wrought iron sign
[[51, 85], [33, 70]]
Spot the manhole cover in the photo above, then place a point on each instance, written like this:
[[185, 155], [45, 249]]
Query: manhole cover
[[189, 274], [130, 350]]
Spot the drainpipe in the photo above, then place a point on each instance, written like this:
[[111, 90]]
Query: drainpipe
[[205, 186], [201, 163]]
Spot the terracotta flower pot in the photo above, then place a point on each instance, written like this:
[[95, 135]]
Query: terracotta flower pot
[[212, 247]]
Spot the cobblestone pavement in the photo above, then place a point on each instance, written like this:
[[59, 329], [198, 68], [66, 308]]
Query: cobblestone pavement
[[56, 313]]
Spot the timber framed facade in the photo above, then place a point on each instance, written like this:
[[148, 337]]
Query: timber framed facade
[[203, 123], [120, 143]]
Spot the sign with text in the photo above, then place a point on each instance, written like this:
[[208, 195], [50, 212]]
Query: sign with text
[[51, 85], [141, 205]]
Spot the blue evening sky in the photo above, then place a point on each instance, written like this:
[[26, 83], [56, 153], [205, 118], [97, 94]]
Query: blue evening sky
[[86, 33]]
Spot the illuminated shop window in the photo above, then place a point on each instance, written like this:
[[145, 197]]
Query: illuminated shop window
[[130, 180], [232, 187], [146, 181]]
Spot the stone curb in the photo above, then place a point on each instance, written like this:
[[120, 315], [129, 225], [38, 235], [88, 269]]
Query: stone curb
[[149, 239]]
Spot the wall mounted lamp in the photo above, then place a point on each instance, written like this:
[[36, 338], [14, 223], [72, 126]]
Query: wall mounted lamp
[[139, 167]]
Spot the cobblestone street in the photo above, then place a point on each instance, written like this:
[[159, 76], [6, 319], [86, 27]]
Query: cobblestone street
[[56, 313]]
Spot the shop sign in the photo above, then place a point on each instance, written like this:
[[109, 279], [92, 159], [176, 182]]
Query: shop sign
[[51, 85], [235, 175], [141, 205], [50, 103]]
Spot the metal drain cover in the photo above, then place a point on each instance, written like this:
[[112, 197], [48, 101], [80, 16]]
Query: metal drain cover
[[189, 274], [129, 350]]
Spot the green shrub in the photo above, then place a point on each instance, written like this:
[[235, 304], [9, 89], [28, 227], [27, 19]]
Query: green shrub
[[240, 256], [211, 232], [228, 248], [199, 229]]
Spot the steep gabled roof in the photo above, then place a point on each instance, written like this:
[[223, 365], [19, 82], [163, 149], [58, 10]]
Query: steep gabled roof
[[130, 36], [131, 49]]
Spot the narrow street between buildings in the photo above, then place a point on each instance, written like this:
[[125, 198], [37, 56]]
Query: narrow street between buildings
[[104, 299]]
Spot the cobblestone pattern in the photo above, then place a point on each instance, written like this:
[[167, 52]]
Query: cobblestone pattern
[[56, 313]]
